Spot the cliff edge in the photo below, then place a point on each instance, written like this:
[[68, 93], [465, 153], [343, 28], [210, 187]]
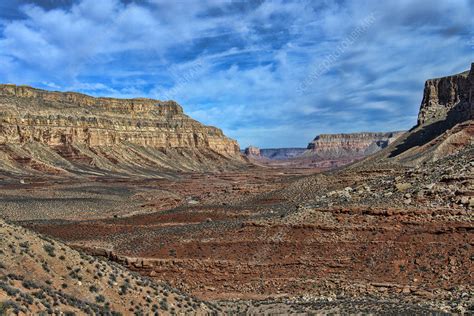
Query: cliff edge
[[67, 132]]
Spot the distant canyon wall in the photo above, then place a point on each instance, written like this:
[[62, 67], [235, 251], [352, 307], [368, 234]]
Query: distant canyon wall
[[344, 147], [353, 145]]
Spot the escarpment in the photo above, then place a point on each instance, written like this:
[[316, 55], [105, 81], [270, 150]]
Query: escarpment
[[72, 132], [445, 123], [331, 146], [448, 98]]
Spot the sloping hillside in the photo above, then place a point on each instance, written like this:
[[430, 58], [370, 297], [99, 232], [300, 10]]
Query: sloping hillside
[[38, 274]]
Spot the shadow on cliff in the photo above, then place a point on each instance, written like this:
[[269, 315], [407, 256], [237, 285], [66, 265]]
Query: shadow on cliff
[[420, 135]]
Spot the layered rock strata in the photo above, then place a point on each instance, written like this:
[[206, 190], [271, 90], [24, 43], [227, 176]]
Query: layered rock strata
[[55, 129], [445, 121], [450, 98], [330, 146]]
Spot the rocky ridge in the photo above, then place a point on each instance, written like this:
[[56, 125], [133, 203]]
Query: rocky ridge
[[56, 132]]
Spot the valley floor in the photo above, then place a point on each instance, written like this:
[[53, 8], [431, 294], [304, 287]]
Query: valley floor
[[337, 241]]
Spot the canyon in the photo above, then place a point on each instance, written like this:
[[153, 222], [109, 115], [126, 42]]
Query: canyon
[[391, 232], [325, 151]]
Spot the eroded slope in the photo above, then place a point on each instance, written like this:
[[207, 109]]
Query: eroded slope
[[38, 274]]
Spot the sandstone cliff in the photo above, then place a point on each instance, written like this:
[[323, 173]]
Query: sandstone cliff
[[326, 151], [252, 151], [71, 132], [354, 145], [448, 98], [445, 123]]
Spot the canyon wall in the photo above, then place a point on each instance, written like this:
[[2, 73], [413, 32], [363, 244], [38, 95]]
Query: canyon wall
[[282, 153], [354, 145], [448, 98], [90, 129], [444, 126], [326, 151]]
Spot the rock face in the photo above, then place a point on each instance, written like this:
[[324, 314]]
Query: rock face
[[282, 153], [273, 153], [326, 151], [355, 145], [252, 151], [448, 98], [104, 133], [445, 122]]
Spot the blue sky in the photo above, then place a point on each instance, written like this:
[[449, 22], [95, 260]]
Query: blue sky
[[269, 73]]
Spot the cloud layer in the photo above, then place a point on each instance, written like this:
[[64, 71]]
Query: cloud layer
[[269, 73]]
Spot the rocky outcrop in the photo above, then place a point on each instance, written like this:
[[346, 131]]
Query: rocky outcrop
[[252, 151], [445, 123], [105, 133], [448, 98], [354, 145]]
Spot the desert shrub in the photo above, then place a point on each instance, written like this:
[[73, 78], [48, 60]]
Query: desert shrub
[[45, 267], [27, 298], [39, 295], [75, 275], [49, 250], [123, 289], [100, 298], [29, 284], [93, 289], [8, 306], [112, 277], [12, 247], [61, 257], [164, 305], [10, 290]]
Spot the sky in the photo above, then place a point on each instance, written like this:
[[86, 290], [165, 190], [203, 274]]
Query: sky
[[269, 73]]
